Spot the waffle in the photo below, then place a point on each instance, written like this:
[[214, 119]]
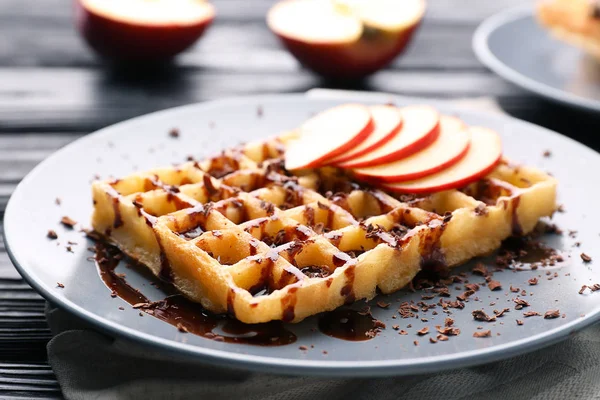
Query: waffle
[[574, 21], [241, 235]]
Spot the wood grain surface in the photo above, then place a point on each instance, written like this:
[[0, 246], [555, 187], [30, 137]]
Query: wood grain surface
[[53, 91]]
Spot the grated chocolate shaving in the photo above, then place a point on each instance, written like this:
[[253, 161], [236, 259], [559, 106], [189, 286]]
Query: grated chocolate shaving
[[551, 314], [585, 258], [68, 222], [520, 303], [52, 234], [482, 334], [494, 285], [480, 315]]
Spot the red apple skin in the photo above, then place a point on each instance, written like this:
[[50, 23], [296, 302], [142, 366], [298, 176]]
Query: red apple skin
[[358, 139], [400, 154], [451, 185], [413, 176], [350, 61], [123, 41]]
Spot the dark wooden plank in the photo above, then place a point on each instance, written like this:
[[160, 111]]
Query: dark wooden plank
[[49, 99]]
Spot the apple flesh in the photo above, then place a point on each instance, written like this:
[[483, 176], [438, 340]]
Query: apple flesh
[[327, 135], [484, 153], [345, 39], [388, 121], [420, 128], [142, 30], [448, 149]]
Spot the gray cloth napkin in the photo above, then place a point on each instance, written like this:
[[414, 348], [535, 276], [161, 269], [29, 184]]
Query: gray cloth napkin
[[90, 365]]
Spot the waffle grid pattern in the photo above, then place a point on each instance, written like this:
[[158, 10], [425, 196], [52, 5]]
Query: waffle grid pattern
[[241, 235]]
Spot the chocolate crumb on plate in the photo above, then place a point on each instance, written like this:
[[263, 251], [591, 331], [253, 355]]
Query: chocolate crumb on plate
[[259, 111], [423, 332], [533, 281], [416, 342], [480, 315], [527, 314], [174, 133], [494, 285], [585, 257], [68, 222], [52, 234], [547, 153], [582, 289], [514, 289], [69, 249], [60, 285], [482, 334], [57, 201], [121, 308], [480, 269], [181, 328], [303, 348], [520, 303], [448, 322], [501, 312], [432, 340], [442, 338], [383, 304], [519, 322], [403, 332], [551, 314], [594, 287]]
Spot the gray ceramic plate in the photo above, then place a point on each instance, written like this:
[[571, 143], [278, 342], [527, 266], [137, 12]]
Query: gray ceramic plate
[[206, 128], [516, 47]]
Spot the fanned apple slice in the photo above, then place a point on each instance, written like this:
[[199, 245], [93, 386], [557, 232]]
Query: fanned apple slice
[[420, 128], [483, 155], [328, 134], [388, 121], [450, 147]]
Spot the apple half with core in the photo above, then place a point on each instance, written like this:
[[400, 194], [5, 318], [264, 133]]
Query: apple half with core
[[450, 147], [388, 121], [420, 128], [484, 153], [328, 134], [345, 38], [142, 30]]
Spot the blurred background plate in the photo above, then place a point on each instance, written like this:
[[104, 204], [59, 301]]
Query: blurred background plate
[[207, 128], [516, 47]]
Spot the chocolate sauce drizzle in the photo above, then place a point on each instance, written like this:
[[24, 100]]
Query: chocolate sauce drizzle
[[348, 324], [187, 316]]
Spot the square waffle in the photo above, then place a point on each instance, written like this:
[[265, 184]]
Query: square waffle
[[241, 235]]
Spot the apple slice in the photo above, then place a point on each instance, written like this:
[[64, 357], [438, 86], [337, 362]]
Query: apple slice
[[450, 147], [328, 134], [481, 158], [345, 38], [142, 30], [388, 121], [420, 128]]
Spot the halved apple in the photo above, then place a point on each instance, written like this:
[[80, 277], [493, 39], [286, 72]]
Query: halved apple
[[388, 121], [449, 148], [328, 134], [142, 30], [420, 128], [481, 158], [345, 38]]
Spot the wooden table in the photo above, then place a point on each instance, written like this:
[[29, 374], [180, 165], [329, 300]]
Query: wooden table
[[53, 91]]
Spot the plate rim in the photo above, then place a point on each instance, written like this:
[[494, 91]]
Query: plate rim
[[288, 366], [489, 59]]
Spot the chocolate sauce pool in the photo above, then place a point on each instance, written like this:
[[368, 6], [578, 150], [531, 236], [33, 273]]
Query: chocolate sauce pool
[[184, 314]]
